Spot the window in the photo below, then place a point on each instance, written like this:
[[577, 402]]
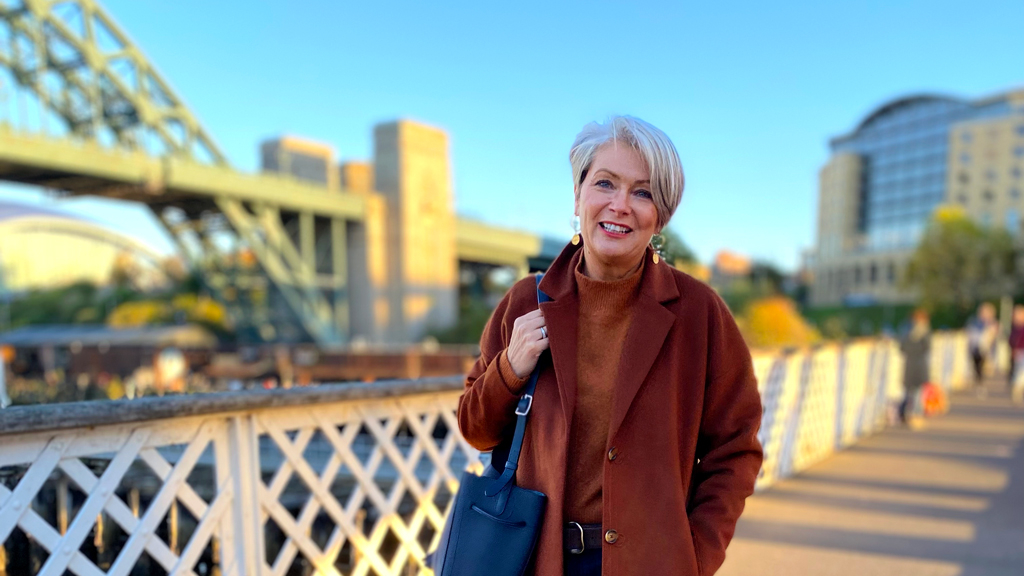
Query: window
[[964, 178], [856, 276], [891, 273], [1020, 130], [986, 219], [988, 195], [874, 273], [1014, 193], [1015, 172], [1012, 221], [965, 136], [991, 175], [965, 158], [1019, 151]]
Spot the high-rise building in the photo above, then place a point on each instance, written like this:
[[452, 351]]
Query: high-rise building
[[886, 177]]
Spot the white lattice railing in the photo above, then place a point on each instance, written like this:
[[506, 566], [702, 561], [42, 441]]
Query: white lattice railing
[[822, 400], [340, 479]]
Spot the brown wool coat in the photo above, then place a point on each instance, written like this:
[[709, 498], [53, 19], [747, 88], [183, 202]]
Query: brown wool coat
[[684, 421]]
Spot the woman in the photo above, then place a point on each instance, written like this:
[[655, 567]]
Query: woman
[[982, 331], [916, 348], [643, 431], [1016, 381]]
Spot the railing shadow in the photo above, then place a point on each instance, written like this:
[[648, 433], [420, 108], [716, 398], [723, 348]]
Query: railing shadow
[[937, 502]]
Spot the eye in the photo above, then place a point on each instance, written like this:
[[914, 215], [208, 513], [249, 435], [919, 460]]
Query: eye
[[604, 183], [644, 194]]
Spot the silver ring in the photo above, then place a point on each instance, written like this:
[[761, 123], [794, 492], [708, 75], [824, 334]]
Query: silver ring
[[543, 332]]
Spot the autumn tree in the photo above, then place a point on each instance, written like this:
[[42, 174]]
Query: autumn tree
[[959, 262], [775, 321]]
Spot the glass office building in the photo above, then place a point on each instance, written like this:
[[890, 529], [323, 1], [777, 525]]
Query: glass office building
[[904, 148], [882, 183]]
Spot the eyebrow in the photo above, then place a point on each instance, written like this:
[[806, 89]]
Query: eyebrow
[[614, 175]]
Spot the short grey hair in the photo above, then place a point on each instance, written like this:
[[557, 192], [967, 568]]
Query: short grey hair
[[653, 145]]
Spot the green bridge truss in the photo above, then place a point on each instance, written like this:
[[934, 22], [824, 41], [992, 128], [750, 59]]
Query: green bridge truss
[[83, 112]]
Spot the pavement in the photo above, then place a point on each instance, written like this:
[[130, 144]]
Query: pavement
[[944, 501]]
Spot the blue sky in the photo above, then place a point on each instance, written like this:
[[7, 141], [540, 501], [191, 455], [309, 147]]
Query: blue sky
[[749, 91]]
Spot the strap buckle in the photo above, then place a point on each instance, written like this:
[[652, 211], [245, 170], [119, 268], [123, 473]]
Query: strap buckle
[[583, 545], [520, 410]]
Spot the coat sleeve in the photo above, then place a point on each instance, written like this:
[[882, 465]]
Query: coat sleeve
[[486, 410], [728, 451]]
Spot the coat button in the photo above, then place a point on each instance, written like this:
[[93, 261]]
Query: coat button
[[611, 536], [613, 454]]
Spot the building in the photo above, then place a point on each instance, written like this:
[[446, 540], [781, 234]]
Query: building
[[403, 259], [303, 159], [43, 249], [886, 177], [728, 269]]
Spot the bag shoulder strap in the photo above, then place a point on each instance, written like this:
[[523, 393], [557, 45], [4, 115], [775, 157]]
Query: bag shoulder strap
[[522, 414]]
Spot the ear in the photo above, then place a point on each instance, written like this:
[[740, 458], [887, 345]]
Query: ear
[[576, 203]]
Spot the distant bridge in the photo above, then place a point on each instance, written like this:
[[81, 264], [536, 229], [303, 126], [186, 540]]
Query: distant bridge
[[291, 260]]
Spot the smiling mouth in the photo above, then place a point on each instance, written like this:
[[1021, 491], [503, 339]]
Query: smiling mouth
[[614, 228]]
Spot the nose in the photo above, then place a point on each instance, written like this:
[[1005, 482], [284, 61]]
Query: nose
[[620, 201]]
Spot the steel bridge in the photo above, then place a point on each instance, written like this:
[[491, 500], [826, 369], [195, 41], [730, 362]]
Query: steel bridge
[[290, 260]]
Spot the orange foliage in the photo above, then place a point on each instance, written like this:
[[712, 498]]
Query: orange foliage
[[773, 322]]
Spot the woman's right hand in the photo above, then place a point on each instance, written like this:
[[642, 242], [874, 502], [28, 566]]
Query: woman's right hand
[[529, 340]]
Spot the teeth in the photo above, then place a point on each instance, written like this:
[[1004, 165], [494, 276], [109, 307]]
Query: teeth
[[614, 228]]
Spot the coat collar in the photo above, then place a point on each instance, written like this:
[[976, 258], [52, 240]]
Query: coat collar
[[657, 282], [645, 336]]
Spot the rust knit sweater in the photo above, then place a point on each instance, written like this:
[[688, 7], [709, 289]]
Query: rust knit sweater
[[604, 315]]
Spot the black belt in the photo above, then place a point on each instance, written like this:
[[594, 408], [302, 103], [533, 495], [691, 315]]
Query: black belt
[[577, 538]]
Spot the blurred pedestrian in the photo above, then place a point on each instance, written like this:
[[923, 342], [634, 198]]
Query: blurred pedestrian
[[643, 426], [1016, 377], [5, 400], [982, 333], [916, 348]]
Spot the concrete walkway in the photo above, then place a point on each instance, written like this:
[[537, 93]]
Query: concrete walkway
[[945, 501]]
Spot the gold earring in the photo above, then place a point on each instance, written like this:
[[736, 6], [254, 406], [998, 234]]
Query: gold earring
[[575, 239], [657, 242]]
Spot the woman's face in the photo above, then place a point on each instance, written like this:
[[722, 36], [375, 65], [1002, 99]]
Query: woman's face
[[616, 208]]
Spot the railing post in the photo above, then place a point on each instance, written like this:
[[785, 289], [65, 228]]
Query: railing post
[[243, 553]]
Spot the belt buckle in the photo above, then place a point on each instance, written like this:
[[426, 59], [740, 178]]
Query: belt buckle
[[583, 545]]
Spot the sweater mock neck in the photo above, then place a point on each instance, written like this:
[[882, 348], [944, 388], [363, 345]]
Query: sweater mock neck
[[612, 296]]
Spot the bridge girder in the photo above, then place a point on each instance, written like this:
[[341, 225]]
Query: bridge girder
[[86, 70], [123, 133]]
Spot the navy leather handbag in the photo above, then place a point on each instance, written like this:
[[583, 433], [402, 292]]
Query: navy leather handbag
[[493, 526]]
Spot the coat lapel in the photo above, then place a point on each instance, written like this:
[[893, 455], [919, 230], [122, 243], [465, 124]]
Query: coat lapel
[[648, 328], [560, 317]]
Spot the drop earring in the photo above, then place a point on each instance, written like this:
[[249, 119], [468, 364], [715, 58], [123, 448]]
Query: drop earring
[[657, 243], [576, 227]]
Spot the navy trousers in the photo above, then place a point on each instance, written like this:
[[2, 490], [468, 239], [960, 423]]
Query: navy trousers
[[586, 564]]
